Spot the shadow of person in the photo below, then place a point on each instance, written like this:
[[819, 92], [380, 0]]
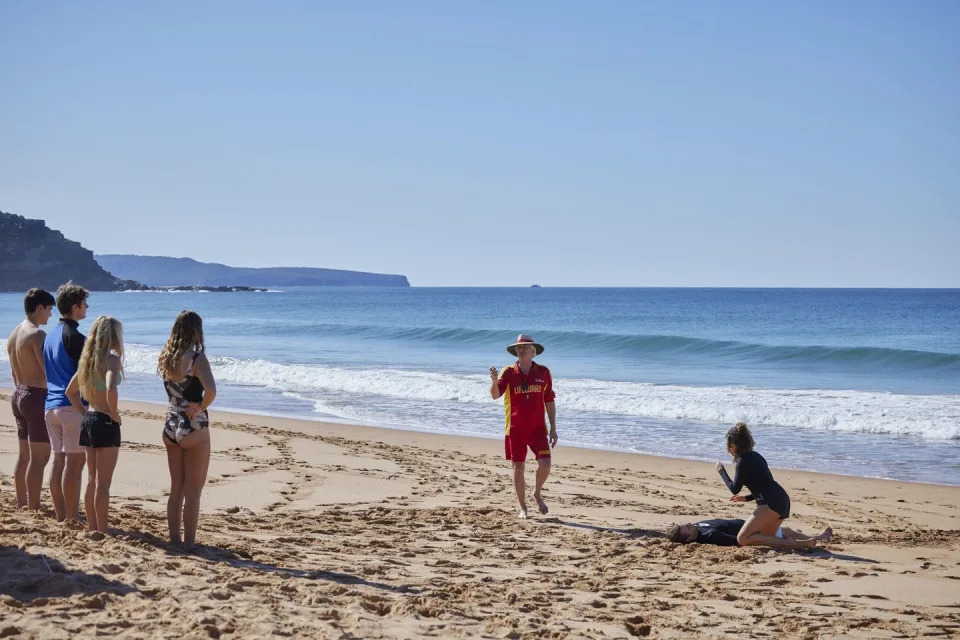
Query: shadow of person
[[28, 576], [634, 532]]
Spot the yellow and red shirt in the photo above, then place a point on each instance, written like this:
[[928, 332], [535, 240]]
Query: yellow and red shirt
[[524, 397]]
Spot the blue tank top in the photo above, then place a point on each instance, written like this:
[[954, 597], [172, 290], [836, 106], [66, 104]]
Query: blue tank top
[[60, 366]]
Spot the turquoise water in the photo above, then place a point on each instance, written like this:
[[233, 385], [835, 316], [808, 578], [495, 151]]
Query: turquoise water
[[863, 382]]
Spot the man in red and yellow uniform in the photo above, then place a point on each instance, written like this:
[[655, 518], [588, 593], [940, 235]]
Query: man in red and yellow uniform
[[527, 391]]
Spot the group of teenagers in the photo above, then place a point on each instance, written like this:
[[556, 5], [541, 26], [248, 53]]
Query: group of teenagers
[[66, 402]]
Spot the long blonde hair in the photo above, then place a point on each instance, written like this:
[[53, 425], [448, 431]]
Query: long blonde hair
[[106, 335], [186, 334]]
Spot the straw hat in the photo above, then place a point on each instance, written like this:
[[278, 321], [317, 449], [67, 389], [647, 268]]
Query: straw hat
[[524, 339]]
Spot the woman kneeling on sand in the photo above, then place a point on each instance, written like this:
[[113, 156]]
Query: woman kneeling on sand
[[98, 373], [773, 503], [186, 374]]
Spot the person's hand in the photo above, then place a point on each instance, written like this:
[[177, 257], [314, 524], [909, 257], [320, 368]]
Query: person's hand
[[493, 374], [553, 438], [719, 466], [737, 499], [192, 410]]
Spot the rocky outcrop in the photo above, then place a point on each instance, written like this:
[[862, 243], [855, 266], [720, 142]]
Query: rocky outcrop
[[161, 271], [33, 255]]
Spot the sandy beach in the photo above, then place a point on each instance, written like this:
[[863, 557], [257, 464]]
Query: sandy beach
[[323, 530]]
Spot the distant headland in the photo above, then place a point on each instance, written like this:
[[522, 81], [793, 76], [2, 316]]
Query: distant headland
[[34, 255], [164, 271]]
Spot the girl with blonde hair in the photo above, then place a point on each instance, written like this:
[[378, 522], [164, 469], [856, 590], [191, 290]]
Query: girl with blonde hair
[[190, 387], [99, 372]]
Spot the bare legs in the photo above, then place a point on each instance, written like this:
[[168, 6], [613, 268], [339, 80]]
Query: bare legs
[[72, 479], [521, 487], [101, 463], [543, 471], [56, 484], [39, 455], [20, 473], [761, 529], [800, 536], [188, 463]]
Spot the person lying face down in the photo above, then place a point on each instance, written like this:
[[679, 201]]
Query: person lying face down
[[723, 533]]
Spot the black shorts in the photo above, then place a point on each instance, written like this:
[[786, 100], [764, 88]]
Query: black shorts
[[99, 430], [779, 502]]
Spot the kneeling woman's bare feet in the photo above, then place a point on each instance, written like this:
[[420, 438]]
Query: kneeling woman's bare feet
[[809, 543], [826, 535]]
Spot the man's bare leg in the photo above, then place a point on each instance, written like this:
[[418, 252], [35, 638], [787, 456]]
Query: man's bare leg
[[20, 473], [543, 471], [56, 485], [39, 455], [521, 487]]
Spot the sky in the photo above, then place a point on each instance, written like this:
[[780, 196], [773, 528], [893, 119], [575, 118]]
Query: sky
[[497, 143]]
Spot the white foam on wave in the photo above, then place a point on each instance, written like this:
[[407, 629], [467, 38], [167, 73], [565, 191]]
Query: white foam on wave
[[926, 416]]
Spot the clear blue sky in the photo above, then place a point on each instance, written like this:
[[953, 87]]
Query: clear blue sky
[[496, 143]]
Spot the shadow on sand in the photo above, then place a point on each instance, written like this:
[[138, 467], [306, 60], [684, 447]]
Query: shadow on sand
[[630, 533], [29, 576], [242, 560]]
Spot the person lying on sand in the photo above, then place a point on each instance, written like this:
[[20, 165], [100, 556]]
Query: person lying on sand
[[723, 533]]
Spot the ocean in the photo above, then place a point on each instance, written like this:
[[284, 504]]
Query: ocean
[[862, 382]]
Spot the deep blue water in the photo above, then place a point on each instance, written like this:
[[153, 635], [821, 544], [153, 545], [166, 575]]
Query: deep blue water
[[864, 382]]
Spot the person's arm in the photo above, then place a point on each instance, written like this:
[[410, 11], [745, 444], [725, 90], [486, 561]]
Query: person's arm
[[735, 485], [498, 383], [717, 537], [112, 380], [551, 408], [36, 345], [549, 396], [201, 369], [13, 369], [73, 394]]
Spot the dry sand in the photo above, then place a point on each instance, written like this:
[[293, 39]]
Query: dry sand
[[332, 531]]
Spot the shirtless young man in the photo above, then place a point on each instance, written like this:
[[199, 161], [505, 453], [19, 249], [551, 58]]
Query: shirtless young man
[[25, 350]]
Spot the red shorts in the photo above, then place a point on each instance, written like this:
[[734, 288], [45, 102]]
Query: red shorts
[[515, 445]]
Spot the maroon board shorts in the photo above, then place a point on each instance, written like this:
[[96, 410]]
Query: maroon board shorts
[[28, 403]]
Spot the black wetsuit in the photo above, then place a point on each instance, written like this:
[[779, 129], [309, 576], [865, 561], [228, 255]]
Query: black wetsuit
[[752, 471], [722, 533]]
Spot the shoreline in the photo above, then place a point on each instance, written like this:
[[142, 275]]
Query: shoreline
[[319, 529]]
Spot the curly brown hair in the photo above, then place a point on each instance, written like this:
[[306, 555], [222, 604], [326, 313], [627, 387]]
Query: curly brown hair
[[740, 439], [68, 295], [186, 334]]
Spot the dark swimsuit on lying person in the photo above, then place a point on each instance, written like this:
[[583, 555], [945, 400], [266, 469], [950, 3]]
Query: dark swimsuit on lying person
[[753, 472], [180, 394]]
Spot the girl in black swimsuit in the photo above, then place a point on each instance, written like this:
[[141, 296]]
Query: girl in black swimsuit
[[773, 503], [190, 387]]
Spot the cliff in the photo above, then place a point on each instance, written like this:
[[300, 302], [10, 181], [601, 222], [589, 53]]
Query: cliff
[[161, 271], [33, 255]]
